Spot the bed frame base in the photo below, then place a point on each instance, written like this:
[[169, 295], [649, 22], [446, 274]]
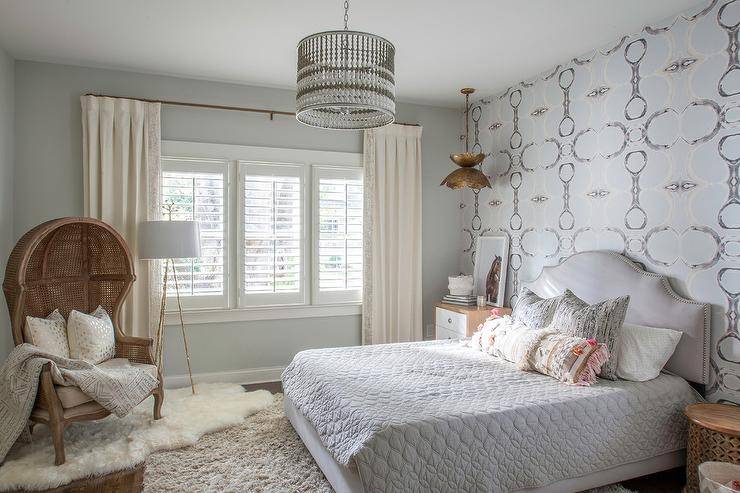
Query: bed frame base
[[346, 479]]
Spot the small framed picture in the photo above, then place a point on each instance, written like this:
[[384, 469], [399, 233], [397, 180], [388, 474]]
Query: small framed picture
[[491, 263]]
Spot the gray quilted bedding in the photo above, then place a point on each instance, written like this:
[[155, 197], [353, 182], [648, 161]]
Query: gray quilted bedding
[[437, 416]]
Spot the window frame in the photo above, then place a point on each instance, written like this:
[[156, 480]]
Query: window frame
[[338, 296], [234, 157], [245, 300], [204, 165]]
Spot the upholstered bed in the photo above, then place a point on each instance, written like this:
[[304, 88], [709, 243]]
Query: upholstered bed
[[437, 416]]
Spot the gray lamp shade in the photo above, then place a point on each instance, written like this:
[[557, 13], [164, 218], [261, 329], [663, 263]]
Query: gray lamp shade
[[169, 239]]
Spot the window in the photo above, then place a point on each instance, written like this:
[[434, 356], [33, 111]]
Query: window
[[295, 241], [273, 234], [337, 235], [196, 190]]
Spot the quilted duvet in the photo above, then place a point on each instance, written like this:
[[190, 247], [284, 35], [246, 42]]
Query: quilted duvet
[[437, 416]]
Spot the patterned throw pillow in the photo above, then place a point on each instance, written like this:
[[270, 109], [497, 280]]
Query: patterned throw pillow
[[533, 311], [572, 360], [48, 334], [601, 321], [91, 337]]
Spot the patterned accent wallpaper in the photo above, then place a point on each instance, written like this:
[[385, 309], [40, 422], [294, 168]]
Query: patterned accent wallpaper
[[634, 147]]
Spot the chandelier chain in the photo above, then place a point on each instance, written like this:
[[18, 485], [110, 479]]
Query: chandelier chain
[[346, 14]]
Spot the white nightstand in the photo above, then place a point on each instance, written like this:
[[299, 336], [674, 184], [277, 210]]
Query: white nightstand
[[455, 322]]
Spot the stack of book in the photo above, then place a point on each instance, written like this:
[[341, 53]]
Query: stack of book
[[461, 299]]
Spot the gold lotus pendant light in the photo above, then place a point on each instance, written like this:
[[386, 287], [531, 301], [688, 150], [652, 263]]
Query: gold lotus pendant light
[[468, 175]]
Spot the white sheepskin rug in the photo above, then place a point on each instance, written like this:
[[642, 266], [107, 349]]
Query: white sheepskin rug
[[111, 444]]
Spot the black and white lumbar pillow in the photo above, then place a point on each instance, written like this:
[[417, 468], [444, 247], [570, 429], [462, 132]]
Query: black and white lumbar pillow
[[601, 321], [533, 311]]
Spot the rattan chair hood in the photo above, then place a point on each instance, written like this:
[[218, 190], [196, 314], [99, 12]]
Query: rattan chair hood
[[72, 263]]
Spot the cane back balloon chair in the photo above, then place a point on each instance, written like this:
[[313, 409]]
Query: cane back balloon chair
[[73, 263]]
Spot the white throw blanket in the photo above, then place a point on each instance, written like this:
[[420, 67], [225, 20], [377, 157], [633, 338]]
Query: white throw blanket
[[118, 390]]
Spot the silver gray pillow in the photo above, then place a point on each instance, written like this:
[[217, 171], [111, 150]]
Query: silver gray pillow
[[533, 311], [601, 321]]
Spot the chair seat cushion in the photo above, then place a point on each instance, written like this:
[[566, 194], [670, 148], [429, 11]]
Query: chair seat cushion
[[73, 396]]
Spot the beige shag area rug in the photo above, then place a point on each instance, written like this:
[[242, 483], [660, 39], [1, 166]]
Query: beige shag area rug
[[112, 444], [263, 454]]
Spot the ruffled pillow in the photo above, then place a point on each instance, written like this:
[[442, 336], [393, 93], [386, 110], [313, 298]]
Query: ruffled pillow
[[504, 338]]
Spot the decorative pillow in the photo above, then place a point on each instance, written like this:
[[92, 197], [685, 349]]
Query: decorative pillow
[[572, 360], [533, 311], [601, 321], [644, 351], [48, 334], [482, 339], [504, 338], [91, 337]]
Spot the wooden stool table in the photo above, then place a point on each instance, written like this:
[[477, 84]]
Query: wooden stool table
[[714, 434]]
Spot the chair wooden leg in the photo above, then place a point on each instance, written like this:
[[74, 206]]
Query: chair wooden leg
[[57, 436], [56, 421], [158, 401]]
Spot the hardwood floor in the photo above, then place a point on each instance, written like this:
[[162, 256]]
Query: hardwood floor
[[274, 387]]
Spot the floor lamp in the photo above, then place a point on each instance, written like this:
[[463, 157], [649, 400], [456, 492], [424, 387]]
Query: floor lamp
[[168, 240]]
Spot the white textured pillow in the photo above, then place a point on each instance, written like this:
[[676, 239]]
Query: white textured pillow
[[48, 334], [644, 351], [91, 337], [504, 338]]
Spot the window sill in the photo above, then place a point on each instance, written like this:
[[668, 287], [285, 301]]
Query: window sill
[[207, 316]]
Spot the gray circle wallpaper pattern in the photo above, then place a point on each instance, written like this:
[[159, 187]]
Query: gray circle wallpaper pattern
[[635, 148]]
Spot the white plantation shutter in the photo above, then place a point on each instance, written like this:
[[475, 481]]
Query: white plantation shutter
[[278, 230], [272, 231], [198, 190], [337, 210]]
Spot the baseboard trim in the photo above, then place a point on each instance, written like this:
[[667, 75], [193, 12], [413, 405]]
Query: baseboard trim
[[247, 375]]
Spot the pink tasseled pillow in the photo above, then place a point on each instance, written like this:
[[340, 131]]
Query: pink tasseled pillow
[[570, 359]]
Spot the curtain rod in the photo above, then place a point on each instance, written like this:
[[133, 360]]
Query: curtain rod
[[272, 113]]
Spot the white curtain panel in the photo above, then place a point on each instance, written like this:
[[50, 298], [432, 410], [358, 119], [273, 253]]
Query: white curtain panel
[[391, 305], [121, 141]]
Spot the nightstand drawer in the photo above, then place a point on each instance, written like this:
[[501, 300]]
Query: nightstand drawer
[[456, 323], [443, 334]]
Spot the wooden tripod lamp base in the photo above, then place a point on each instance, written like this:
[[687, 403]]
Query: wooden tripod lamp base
[[158, 357]]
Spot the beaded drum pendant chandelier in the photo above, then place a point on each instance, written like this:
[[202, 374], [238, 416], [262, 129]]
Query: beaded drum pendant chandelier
[[345, 79], [467, 175]]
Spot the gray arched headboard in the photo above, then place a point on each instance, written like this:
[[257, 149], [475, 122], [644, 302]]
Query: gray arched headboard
[[600, 275]]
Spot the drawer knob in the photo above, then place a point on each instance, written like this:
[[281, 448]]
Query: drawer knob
[[449, 320]]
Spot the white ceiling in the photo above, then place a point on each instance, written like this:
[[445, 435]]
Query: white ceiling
[[442, 45]]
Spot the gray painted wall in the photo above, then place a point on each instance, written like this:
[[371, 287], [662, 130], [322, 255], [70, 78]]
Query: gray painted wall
[[633, 147], [7, 141], [48, 183]]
